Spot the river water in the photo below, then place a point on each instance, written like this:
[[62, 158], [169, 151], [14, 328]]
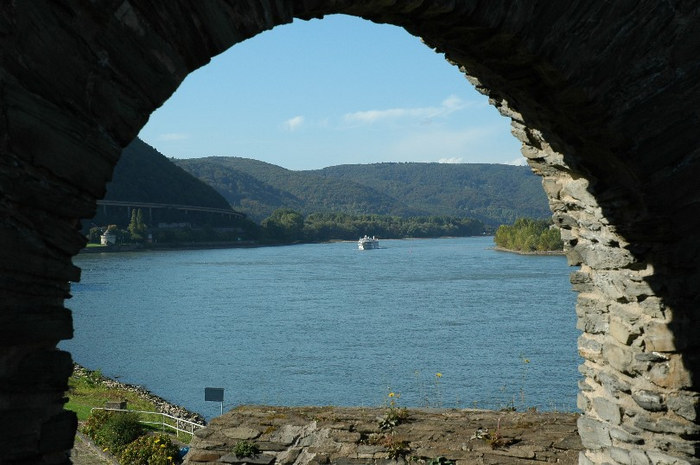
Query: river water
[[442, 322]]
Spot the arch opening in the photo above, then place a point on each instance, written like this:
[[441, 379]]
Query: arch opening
[[509, 372]]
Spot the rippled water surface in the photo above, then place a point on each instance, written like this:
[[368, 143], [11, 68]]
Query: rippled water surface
[[326, 324]]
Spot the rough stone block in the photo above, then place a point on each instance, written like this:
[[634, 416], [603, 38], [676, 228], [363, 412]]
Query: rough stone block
[[594, 434], [622, 435], [204, 456], [258, 459], [614, 383], [607, 410], [686, 405], [659, 458], [593, 323], [648, 400], [589, 348], [670, 374], [289, 457], [622, 332], [619, 357], [658, 337], [638, 457], [241, 432], [621, 456]]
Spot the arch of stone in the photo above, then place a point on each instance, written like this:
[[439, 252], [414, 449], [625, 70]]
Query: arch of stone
[[603, 95]]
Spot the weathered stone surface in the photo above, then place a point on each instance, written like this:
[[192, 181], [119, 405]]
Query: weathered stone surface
[[322, 433], [603, 96], [649, 400]]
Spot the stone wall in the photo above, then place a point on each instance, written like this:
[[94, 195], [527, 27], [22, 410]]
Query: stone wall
[[603, 95]]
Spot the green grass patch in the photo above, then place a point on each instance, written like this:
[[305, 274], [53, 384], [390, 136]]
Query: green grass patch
[[86, 390]]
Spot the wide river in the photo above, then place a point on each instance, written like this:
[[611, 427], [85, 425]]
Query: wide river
[[443, 322]]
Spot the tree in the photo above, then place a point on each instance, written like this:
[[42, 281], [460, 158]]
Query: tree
[[529, 235], [284, 225], [137, 228]]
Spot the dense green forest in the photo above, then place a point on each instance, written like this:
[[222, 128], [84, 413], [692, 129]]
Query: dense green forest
[[529, 235], [285, 225], [493, 194]]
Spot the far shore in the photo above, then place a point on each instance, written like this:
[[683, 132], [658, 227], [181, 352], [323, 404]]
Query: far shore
[[533, 252], [94, 248]]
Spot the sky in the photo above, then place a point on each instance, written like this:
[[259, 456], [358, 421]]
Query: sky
[[340, 90]]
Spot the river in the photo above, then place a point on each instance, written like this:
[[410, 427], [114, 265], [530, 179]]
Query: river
[[440, 322]]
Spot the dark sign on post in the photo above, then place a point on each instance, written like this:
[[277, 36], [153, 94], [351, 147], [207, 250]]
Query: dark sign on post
[[215, 395]]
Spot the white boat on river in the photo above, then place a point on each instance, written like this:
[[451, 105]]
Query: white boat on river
[[367, 243]]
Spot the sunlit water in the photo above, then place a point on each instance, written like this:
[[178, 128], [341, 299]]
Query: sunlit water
[[327, 324]]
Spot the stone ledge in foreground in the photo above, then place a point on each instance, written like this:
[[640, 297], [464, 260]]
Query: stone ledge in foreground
[[352, 436]]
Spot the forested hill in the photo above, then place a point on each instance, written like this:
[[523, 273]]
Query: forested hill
[[494, 194], [145, 175]]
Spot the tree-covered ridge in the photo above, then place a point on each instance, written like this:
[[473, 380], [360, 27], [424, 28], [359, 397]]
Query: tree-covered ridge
[[145, 175], [529, 235], [493, 194]]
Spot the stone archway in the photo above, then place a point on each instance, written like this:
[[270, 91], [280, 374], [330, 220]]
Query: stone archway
[[603, 95]]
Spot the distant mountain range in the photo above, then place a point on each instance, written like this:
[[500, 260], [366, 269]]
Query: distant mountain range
[[493, 194]]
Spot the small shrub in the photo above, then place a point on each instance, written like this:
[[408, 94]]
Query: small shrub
[[149, 450], [246, 449], [113, 431]]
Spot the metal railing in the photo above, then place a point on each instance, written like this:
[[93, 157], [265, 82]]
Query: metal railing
[[180, 425]]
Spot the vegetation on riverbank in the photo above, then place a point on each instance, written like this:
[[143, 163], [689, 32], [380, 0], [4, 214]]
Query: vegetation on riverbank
[[286, 226], [123, 434], [527, 235]]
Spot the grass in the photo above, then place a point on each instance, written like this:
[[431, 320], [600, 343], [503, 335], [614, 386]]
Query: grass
[[86, 390]]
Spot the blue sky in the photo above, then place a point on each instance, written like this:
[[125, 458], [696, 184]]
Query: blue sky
[[327, 92]]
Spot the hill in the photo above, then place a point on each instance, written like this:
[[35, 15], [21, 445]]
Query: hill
[[145, 175], [494, 194]]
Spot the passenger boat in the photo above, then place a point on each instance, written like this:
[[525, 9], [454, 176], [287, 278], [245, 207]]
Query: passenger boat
[[367, 243]]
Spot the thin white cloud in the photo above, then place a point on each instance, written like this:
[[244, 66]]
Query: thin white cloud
[[173, 136], [293, 124], [448, 106], [451, 160]]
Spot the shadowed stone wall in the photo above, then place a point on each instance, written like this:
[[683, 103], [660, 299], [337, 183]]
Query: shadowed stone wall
[[603, 95]]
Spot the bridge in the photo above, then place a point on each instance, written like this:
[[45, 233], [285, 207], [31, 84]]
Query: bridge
[[149, 206]]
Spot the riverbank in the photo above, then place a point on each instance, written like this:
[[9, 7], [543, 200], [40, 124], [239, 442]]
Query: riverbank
[[94, 248], [533, 252], [104, 389]]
